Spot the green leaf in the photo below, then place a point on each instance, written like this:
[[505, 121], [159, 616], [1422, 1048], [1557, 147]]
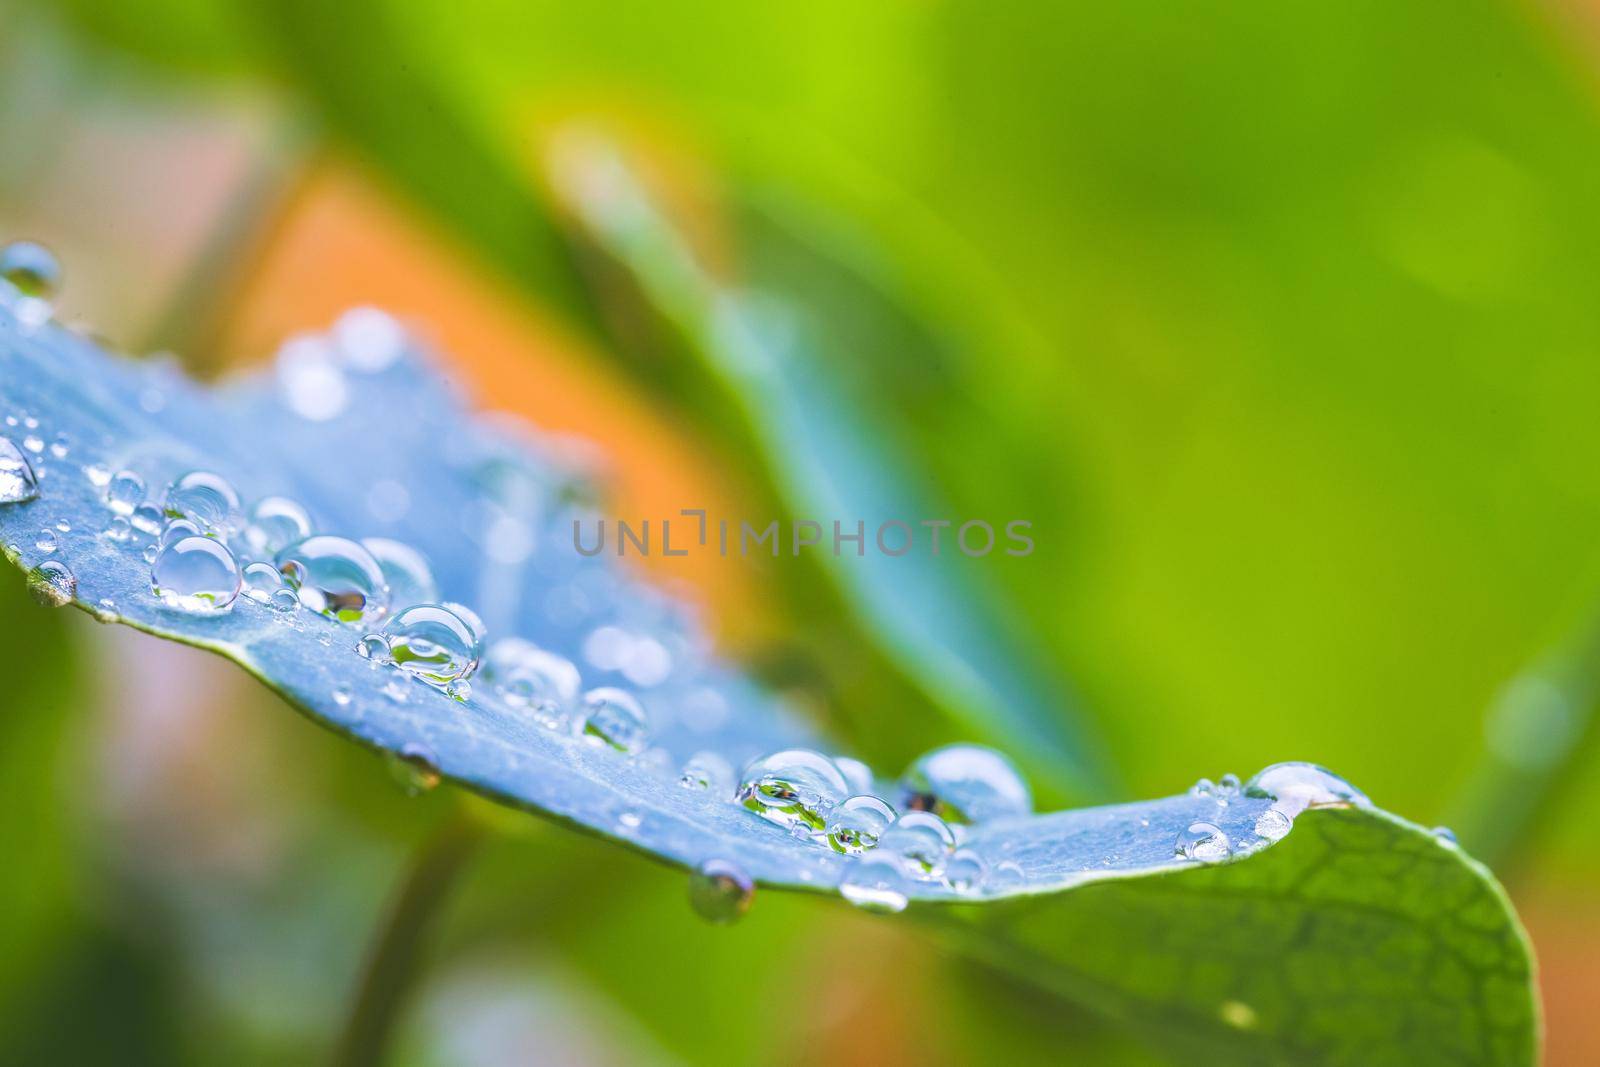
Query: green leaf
[[1376, 928]]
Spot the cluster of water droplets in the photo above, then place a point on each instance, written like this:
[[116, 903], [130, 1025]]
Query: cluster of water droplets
[[1291, 787]]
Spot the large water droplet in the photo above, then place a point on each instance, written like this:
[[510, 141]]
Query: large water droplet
[[1204, 842], [197, 575], [966, 784], [795, 788], [526, 676], [276, 522], [720, 891], [124, 492], [707, 771], [1294, 787], [31, 268], [17, 480], [405, 572], [856, 824], [336, 578], [1273, 825], [875, 883], [205, 499], [53, 584], [922, 841], [613, 717], [433, 643]]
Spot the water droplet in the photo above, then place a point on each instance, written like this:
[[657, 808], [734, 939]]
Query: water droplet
[[276, 522], [1446, 835], [433, 643], [197, 575], [405, 572], [1227, 786], [720, 891], [53, 584], [923, 843], [63, 526], [966, 872], [124, 492], [1006, 877], [206, 499], [707, 771], [33, 443], [61, 446], [415, 768], [629, 821], [336, 578], [795, 788], [369, 339], [876, 884], [1294, 787], [966, 784], [46, 542], [1273, 825], [176, 530], [856, 824], [1203, 842], [341, 695], [857, 775], [98, 474], [264, 585], [375, 647], [117, 529], [1205, 787], [32, 269], [147, 519], [150, 552], [526, 676], [17, 480], [613, 717]]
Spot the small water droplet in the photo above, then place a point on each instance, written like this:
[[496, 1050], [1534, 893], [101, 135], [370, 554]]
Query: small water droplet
[[53, 584], [923, 843], [795, 788], [405, 572], [150, 552], [966, 784], [33, 443], [1227, 786], [206, 499], [1204, 842], [629, 820], [1446, 835], [1205, 787], [60, 446], [46, 542], [707, 771], [18, 483], [1006, 877], [264, 585], [336, 578], [374, 647], [856, 824], [124, 492], [613, 717], [415, 768], [197, 575], [433, 643], [98, 474], [875, 883], [147, 519], [966, 872], [720, 891], [276, 522], [341, 695], [1273, 825], [524, 675], [118, 529]]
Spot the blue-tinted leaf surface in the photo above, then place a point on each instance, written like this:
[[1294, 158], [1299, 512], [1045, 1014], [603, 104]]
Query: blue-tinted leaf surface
[[1365, 929]]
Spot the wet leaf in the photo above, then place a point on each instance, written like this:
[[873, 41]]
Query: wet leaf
[[1357, 931]]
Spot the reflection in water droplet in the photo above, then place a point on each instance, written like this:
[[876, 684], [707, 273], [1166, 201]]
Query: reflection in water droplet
[[276, 522], [613, 717], [197, 575], [856, 824], [17, 480], [1204, 842], [720, 891], [124, 492], [923, 843], [405, 572], [707, 771], [795, 788], [415, 768], [433, 643], [336, 578], [53, 584], [875, 883], [966, 784], [1294, 787], [526, 676]]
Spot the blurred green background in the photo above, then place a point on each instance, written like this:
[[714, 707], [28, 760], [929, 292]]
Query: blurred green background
[[1278, 320]]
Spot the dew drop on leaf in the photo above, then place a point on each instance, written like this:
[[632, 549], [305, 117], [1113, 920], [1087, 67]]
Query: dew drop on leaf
[[17, 480], [405, 572], [31, 269], [433, 643], [276, 522], [876, 884], [1203, 842], [795, 788], [336, 578], [856, 825], [720, 891], [197, 575], [613, 717], [415, 768], [53, 584], [922, 842], [706, 771], [1294, 787], [966, 784], [124, 492]]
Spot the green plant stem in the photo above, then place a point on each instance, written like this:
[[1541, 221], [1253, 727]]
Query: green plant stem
[[391, 965]]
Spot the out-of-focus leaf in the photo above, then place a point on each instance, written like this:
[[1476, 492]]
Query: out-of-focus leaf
[[1358, 888]]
